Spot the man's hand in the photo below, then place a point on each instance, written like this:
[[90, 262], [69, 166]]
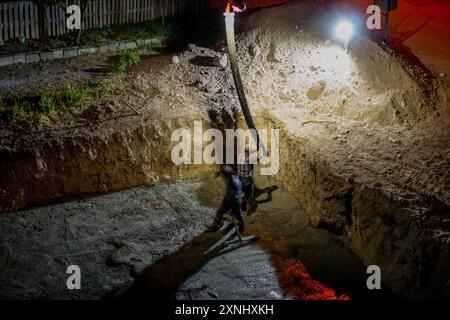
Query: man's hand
[[237, 5]]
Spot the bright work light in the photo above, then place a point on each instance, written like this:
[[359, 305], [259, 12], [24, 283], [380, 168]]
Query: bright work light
[[344, 30]]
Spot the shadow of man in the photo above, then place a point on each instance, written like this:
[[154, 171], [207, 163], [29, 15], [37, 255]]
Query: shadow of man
[[257, 193], [161, 280]]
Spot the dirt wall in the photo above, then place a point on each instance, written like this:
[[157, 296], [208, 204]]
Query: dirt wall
[[400, 236], [78, 166]]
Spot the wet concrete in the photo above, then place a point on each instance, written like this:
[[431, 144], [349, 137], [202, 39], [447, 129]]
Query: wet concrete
[[292, 260], [111, 238], [243, 273], [150, 243]]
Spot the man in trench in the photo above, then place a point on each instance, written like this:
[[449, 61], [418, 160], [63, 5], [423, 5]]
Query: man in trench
[[245, 169], [232, 200]]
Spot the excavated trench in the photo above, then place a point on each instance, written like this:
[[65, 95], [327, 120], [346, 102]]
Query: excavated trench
[[380, 226], [79, 166], [372, 223]]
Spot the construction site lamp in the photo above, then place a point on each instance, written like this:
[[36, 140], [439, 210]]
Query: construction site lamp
[[344, 30]]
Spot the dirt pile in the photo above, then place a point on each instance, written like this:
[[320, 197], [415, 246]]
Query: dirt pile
[[290, 59]]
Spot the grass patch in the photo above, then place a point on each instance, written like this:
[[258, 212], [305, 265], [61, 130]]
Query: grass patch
[[73, 97], [20, 109], [15, 108], [150, 29], [51, 101], [47, 103], [127, 58], [130, 57]]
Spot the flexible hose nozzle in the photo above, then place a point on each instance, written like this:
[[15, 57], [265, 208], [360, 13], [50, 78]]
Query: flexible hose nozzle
[[231, 41]]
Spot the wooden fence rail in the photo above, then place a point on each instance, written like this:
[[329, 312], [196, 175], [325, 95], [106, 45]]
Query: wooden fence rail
[[20, 18]]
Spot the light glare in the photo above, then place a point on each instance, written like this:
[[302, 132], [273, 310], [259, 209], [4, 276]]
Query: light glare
[[344, 30]]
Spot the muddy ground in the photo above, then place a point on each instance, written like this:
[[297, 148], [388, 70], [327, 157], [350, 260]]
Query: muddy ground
[[114, 238]]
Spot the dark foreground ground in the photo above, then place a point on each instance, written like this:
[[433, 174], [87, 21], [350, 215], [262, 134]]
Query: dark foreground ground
[[155, 235]]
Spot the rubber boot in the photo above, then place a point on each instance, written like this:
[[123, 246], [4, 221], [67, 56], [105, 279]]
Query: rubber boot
[[251, 207], [241, 227]]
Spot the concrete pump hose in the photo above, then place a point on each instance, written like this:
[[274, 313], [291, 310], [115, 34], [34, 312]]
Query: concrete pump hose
[[229, 23]]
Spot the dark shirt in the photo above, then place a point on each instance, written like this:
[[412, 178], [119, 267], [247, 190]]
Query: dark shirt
[[234, 187]]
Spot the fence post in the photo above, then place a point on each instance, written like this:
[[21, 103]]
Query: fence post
[[34, 22], [5, 22], [1, 25]]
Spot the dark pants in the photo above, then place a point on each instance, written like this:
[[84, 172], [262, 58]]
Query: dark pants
[[232, 204], [248, 186], [233, 199]]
